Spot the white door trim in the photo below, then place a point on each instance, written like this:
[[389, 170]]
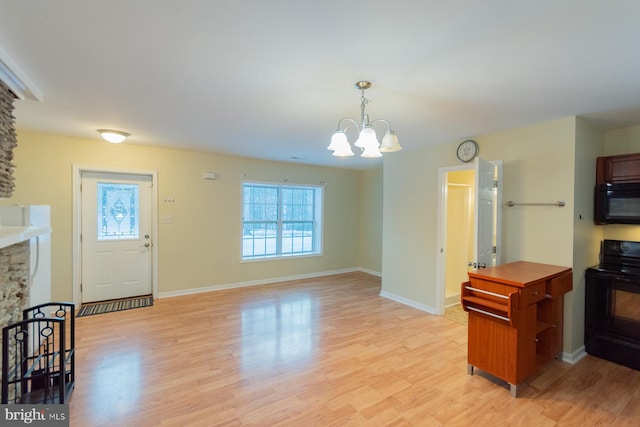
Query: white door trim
[[77, 224], [442, 226], [441, 238]]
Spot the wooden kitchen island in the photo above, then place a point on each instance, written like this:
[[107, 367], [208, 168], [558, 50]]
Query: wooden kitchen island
[[515, 318]]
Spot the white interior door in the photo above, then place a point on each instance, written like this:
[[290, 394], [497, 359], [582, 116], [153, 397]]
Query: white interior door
[[486, 214], [116, 235]]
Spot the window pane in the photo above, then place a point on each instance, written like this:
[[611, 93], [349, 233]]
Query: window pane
[[297, 238], [259, 239], [117, 211], [260, 203], [279, 220], [297, 204]]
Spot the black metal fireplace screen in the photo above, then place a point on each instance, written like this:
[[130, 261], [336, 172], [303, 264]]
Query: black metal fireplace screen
[[38, 356]]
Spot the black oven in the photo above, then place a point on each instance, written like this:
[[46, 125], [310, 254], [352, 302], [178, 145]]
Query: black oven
[[612, 304], [617, 203]]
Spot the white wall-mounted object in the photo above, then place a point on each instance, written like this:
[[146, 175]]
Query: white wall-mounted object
[[210, 175], [17, 80], [32, 223]]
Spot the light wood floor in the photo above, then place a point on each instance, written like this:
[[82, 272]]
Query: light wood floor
[[320, 352], [457, 314]]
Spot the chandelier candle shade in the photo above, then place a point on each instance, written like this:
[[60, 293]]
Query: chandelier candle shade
[[367, 138]]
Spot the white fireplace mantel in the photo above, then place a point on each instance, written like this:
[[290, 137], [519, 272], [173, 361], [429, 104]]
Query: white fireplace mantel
[[10, 235]]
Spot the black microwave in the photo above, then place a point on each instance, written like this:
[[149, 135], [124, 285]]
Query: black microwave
[[617, 203]]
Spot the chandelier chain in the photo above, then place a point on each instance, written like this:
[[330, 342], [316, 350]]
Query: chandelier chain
[[363, 103]]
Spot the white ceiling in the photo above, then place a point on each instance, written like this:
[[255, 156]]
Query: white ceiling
[[270, 79]]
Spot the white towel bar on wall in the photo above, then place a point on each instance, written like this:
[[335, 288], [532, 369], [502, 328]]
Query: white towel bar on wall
[[559, 203]]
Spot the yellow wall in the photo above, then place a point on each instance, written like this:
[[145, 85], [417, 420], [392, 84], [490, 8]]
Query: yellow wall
[[538, 167], [586, 234], [409, 232], [621, 141], [542, 163], [545, 162], [195, 250], [370, 220]]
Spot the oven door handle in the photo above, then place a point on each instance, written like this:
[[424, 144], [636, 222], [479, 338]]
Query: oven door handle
[[614, 276]]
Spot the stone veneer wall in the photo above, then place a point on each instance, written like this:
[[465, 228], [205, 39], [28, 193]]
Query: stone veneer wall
[[14, 282], [8, 141]]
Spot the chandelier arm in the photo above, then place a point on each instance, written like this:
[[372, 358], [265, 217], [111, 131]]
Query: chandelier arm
[[347, 119], [383, 121]]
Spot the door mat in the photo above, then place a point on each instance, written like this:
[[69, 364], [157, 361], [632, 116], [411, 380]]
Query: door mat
[[115, 305]]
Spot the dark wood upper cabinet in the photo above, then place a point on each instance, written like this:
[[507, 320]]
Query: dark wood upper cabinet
[[614, 169], [617, 190]]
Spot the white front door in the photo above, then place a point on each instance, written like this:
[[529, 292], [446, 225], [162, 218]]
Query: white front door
[[486, 215], [116, 235]]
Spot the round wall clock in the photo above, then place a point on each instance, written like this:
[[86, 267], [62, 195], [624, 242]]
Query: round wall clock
[[467, 150]]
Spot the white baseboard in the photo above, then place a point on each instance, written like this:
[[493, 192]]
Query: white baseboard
[[409, 302], [261, 282], [574, 357], [372, 272], [452, 300]]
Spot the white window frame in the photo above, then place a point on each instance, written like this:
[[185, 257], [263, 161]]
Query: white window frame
[[317, 222]]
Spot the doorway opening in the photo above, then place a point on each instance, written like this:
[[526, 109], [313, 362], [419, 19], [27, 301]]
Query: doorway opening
[[459, 238], [469, 223], [114, 233]]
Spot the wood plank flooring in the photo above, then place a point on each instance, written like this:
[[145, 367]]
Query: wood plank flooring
[[318, 352]]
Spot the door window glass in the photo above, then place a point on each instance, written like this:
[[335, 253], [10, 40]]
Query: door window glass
[[117, 211]]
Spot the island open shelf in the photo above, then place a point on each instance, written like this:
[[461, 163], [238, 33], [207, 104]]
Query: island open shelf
[[515, 318]]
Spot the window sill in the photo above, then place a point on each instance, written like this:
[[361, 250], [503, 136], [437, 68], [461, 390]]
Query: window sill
[[281, 257]]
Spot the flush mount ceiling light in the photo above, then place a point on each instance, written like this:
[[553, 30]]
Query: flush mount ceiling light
[[367, 138], [113, 136]]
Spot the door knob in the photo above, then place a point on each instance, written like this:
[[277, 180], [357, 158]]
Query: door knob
[[146, 245], [477, 265]]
